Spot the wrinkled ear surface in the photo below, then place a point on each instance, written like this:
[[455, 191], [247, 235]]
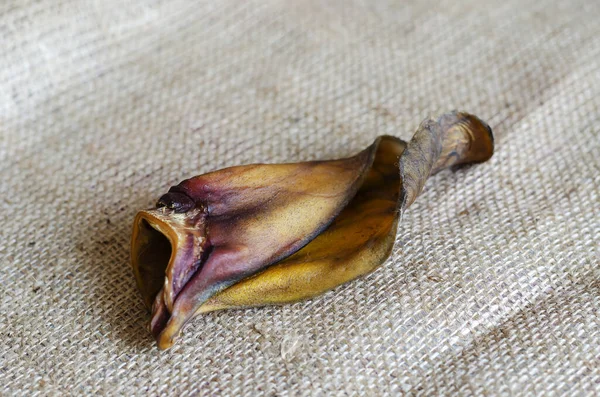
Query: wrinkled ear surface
[[357, 241]]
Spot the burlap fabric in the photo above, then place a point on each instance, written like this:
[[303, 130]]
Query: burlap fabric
[[494, 284]]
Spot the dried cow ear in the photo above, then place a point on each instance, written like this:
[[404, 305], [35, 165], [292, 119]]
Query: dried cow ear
[[268, 234]]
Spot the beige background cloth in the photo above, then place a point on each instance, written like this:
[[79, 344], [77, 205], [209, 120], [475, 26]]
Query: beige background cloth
[[494, 284]]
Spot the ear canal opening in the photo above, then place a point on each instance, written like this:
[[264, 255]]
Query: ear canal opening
[[152, 252]]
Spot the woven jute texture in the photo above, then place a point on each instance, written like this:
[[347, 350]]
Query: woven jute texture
[[493, 287]]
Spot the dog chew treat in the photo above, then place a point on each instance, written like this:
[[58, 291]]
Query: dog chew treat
[[266, 234]]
